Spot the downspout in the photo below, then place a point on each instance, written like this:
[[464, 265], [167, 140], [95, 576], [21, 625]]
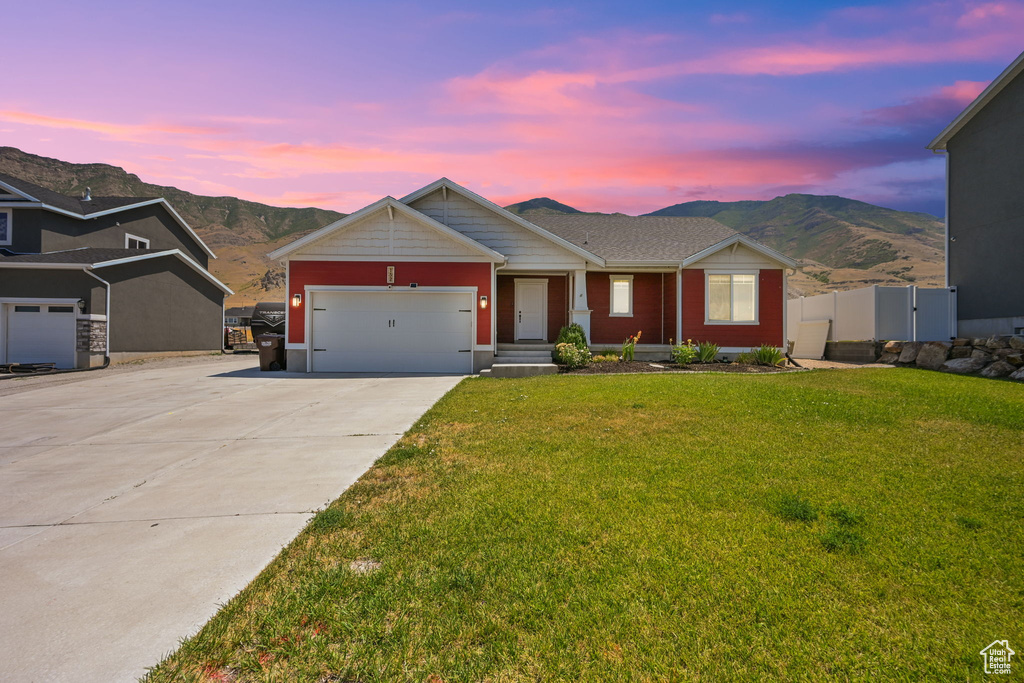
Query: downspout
[[106, 311]]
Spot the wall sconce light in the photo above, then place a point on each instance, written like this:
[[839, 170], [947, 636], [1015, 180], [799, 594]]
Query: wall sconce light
[[296, 299], [483, 302], [81, 305]]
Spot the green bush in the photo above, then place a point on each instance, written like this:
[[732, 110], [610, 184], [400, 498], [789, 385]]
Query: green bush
[[707, 351], [574, 334], [571, 356], [684, 353], [766, 354]]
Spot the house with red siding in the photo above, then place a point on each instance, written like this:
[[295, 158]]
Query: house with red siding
[[444, 280]]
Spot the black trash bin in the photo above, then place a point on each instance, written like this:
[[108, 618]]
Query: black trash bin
[[271, 348]]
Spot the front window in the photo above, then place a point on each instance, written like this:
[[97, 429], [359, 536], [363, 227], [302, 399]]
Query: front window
[[732, 297], [621, 295]]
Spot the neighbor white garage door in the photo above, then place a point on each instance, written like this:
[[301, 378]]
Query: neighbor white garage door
[[392, 331], [41, 333]]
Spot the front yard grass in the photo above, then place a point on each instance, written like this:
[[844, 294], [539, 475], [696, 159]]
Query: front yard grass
[[828, 525]]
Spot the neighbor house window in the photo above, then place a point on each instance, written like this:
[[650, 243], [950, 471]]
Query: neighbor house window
[[732, 297], [5, 226], [133, 242], [621, 295]]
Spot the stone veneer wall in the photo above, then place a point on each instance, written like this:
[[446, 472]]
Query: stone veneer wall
[[989, 357], [91, 336]]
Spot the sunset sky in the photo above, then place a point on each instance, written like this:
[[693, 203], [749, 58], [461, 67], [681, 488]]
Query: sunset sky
[[605, 106]]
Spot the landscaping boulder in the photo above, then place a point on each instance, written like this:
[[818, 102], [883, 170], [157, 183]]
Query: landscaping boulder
[[998, 369], [1016, 342], [889, 358], [962, 366], [997, 343], [983, 356], [909, 353], [979, 341], [893, 347], [960, 341], [1016, 359], [1018, 375], [961, 352], [932, 355]]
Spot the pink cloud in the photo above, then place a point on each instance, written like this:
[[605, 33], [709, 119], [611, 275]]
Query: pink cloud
[[935, 108], [135, 132]]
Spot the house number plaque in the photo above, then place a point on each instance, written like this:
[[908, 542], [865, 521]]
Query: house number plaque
[[391, 275]]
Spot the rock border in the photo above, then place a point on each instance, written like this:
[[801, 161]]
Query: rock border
[[992, 357]]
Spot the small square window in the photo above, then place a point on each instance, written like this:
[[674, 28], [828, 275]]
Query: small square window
[[133, 242], [621, 295]]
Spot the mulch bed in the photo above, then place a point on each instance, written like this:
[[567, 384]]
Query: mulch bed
[[618, 367]]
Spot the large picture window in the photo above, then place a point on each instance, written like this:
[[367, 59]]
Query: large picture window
[[621, 295], [732, 297]]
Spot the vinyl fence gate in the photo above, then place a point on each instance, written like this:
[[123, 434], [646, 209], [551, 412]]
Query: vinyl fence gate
[[880, 313]]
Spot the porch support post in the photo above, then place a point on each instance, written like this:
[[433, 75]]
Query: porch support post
[[580, 311]]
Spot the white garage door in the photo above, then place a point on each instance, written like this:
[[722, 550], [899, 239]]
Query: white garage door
[[405, 331], [41, 333]]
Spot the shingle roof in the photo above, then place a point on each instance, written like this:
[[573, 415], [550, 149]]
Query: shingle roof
[[618, 237], [86, 256], [72, 204]]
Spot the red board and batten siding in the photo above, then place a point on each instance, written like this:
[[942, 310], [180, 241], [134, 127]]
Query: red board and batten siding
[[374, 274], [558, 306], [653, 313], [768, 331]]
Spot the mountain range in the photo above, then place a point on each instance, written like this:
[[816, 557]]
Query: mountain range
[[840, 243]]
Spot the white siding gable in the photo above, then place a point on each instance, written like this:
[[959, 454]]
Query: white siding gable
[[742, 257], [379, 235], [523, 248]]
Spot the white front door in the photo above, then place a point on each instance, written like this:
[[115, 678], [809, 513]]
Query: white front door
[[531, 309], [41, 333], [392, 331]]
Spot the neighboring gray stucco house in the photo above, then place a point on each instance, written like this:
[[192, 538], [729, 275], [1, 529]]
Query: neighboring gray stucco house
[[984, 149], [81, 279]]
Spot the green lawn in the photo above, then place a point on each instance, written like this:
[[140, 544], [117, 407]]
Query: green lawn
[[826, 525]]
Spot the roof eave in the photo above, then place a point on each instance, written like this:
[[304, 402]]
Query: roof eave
[[745, 241], [182, 256], [986, 96]]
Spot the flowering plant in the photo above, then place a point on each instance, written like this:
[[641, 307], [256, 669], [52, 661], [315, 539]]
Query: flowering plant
[[572, 356], [629, 346], [684, 353]]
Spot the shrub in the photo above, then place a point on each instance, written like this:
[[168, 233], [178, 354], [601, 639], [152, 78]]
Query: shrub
[[745, 358], [684, 353], [766, 354], [574, 334], [571, 356], [707, 351], [798, 509]]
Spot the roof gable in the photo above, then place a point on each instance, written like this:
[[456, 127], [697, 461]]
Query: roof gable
[[387, 228], [987, 95], [487, 223]]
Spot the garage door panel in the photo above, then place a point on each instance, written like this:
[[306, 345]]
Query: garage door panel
[[41, 333], [392, 332]]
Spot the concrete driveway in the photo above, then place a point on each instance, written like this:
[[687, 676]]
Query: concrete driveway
[[133, 505]]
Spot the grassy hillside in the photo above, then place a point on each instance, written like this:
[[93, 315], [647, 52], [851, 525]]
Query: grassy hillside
[[241, 233], [541, 206]]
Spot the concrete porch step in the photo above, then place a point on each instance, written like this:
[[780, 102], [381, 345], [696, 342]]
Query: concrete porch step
[[520, 370], [543, 358], [527, 346]]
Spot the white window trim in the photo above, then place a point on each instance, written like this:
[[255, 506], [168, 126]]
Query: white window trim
[[757, 297], [10, 227], [129, 236], [611, 296]]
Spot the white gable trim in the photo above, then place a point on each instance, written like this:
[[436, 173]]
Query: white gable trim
[[504, 213], [986, 96], [392, 205], [38, 204], [170, 252], [745, 241]]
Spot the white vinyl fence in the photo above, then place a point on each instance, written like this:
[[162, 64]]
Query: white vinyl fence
[[889, 313]]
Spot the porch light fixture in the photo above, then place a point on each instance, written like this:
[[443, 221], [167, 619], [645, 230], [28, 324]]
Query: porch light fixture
[[483, 301], [296, 299], [81, 305]]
